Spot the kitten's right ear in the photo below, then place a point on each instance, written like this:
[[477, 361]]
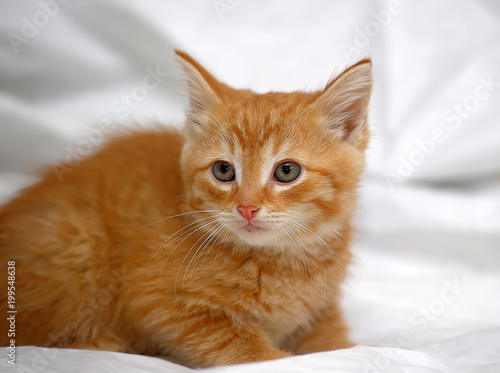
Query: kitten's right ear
[[203, 88], [344, 102]]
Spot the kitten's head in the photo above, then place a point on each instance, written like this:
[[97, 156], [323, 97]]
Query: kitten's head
[[276, 169]]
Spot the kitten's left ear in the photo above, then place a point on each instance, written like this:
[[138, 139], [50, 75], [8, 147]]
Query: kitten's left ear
[[205, 91], [344, 102]]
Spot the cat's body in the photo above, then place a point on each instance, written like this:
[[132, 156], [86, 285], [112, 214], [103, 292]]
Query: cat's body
[[235, 282]]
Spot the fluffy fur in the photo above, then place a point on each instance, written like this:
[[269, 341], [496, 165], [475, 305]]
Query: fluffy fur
[[140, 249]]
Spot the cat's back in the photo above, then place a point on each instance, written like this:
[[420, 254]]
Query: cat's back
[[59, 231], [116, 177]]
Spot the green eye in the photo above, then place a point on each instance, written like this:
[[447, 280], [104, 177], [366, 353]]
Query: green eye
[[287, 172], [223, 171]]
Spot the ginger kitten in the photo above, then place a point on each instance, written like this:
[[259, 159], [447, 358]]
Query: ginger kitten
[[224, 244]]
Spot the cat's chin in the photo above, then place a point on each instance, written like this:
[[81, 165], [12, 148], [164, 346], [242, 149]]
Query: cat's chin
[[255, 236]]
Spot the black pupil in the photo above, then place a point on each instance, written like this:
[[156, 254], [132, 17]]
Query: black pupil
[[286, 168], [224, 168]]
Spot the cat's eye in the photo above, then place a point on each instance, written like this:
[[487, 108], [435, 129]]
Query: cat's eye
[[287, 172], [223, 171]]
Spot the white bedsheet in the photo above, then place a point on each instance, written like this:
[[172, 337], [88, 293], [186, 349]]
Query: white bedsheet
[[474, 352], [425, 287]]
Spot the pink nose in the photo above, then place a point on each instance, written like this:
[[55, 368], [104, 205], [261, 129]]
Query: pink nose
[[248, 212]]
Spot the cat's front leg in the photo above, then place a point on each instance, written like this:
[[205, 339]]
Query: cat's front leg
[[211, 340], [327, 332]]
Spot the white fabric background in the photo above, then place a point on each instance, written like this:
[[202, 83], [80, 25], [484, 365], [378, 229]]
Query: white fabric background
[[420, 228]]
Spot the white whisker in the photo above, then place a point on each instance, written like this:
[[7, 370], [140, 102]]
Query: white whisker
[[304, 229], [186, 256], [289, 239], [303, 251], [202, 248], [325, 225], [176, 246], [159, 220], [332, 251], [173, 237]]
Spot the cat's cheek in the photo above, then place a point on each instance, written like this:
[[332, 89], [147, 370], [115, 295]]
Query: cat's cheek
[[207, 193]]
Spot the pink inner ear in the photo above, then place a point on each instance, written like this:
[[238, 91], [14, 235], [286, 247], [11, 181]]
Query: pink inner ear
[[355, 116], [345, 102]]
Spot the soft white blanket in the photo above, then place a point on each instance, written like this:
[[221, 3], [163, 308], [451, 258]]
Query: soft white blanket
[[474, 352]]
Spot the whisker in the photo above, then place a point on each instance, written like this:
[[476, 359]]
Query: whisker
[[188, 235], [327, 226], [278, 240], [304, 250], [303, 229], [332, 251], [203, 246], [172, 237], [186, 256], [289, 240], [220, 245], [214, 237], [159, 220], [223, 231]]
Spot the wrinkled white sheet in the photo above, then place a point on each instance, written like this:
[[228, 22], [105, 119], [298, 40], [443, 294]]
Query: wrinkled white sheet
[[426, 284], [474, 352]]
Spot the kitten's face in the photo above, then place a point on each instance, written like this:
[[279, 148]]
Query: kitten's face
[[270, 170]]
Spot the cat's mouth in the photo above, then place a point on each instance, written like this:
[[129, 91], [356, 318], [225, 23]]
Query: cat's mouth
[[250, 228], [255, 234]]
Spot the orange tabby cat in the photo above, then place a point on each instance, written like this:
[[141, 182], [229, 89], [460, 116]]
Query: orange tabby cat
[[256, 197]]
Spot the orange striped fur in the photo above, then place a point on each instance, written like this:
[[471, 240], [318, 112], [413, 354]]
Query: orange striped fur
[[97, 268]]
